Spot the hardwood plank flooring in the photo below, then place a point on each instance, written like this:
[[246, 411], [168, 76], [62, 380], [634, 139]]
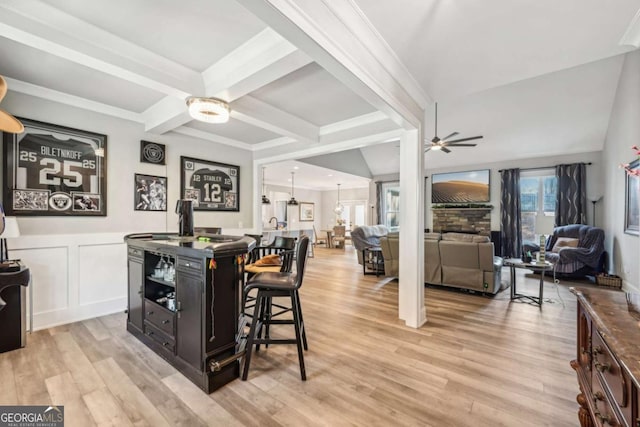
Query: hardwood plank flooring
[[479, 361]]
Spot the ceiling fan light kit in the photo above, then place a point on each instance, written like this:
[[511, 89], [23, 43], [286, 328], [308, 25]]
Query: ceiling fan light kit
[[210, 110], [442, 144]]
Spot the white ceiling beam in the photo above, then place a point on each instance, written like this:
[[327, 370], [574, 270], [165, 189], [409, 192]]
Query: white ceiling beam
[[208, 136], [365, 119], [258, 113], [72, 100], [631, 37], [42, 27], [331, 33], [261, 60], [252, 65], [319, 149], [165, 115], [272, 143]]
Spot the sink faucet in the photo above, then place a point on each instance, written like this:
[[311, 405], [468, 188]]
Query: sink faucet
[[272, 218]]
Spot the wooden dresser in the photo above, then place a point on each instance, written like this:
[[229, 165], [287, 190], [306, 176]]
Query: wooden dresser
[[608, 358]]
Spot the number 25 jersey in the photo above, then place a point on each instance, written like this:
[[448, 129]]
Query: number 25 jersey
[[57, 165]]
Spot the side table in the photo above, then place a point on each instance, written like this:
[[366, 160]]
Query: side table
[[514, 263], [372, 261]]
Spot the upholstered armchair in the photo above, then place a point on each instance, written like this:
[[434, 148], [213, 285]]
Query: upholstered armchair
[[576, 250], [367, 236]]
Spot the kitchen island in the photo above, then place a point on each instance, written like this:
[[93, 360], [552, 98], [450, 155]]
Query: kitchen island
[[183, 301]]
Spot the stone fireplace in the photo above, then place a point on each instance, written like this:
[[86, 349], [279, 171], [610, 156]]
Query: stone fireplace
[[470, 220]]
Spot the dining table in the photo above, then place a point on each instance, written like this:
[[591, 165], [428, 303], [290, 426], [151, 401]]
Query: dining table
[[329, 237]]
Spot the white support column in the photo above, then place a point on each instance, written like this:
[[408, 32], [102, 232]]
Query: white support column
[[411, 307]]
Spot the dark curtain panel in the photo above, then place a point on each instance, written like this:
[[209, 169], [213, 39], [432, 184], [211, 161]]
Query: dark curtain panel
[[510, 223], [378, 202], [571, 198]]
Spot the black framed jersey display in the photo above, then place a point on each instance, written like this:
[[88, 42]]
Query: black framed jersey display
[[215, 186], [55, 170]]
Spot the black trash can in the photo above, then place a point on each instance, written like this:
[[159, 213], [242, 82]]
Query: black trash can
[[13, 312]]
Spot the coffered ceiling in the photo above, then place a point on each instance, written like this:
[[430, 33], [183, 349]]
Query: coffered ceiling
[[535, 78]]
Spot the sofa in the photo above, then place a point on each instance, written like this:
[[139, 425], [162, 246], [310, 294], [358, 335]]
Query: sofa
[[576, 250], [458, 260], [366, 237]]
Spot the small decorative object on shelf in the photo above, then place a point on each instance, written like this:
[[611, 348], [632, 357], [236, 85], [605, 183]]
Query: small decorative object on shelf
[[542, 248]]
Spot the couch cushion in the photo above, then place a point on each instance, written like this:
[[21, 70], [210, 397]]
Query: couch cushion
[[563, 242], [464, 237], [432, 236]]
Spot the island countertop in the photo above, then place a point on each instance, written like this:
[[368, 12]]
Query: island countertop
[[218, 244]]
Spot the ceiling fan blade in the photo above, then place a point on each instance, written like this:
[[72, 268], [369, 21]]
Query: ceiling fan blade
[[450, 136], [445, 149], [460, 145], [464, 139]]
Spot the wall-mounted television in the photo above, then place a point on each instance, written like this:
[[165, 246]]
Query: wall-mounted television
[[460, 187]]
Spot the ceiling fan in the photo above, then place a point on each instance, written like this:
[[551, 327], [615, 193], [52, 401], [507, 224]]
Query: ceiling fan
[[442, 144]]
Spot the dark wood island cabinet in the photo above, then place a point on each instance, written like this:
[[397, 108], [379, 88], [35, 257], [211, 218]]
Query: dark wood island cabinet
[[183, 301], [608, 358]]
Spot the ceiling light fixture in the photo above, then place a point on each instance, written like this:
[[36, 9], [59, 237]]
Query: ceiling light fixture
[[265, 199], [293, 200], [339, 208], [210, 110]]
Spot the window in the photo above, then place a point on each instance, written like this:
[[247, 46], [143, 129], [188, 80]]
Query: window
[[537, 202], [391, 205]]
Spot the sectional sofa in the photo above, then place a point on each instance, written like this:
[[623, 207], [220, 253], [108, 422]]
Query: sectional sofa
[[452, 259]]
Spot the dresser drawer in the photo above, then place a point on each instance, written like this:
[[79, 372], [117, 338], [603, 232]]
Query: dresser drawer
[[605, 366], [160, 317], [604, 414], [160, 337]]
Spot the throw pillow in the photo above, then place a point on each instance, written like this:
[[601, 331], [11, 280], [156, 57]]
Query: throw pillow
[[269, 260], [564, 242]]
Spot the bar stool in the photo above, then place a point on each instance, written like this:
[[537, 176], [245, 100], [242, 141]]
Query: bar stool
[[280, 284]]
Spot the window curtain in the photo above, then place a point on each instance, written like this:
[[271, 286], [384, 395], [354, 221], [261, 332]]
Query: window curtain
[[378, 202], [510, 222], [571, 198]]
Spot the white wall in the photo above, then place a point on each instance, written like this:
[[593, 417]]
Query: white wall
[[594, 182], [293, 212], [78, 265], [623, 132], [330, 197]]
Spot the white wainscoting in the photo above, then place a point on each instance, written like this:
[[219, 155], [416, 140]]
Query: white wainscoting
[[74, 276]]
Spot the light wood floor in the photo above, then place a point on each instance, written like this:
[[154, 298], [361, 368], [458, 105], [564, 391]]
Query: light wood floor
[[477, 362]]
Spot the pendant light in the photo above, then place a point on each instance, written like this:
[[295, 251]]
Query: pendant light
[[339, 208], [293, 200], [265, 199]]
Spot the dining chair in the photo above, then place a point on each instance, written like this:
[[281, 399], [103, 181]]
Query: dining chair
[[319, 240], [339, 236]]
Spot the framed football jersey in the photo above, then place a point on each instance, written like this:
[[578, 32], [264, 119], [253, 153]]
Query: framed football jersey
[[55, 170], [215, 186]]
